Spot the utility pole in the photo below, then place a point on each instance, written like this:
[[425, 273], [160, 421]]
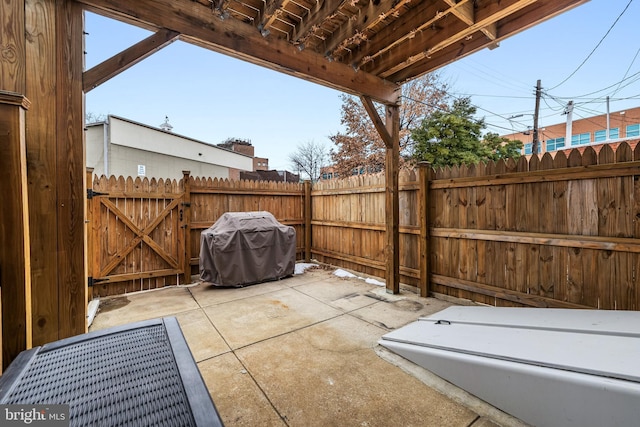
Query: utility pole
[[608, 122], [534, 145], [569, 132]]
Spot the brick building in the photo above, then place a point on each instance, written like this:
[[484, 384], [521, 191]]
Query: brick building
[[271, 175], [244, 146], [584, 131]]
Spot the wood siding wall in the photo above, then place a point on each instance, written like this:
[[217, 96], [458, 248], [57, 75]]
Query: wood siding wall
[[549, 232]]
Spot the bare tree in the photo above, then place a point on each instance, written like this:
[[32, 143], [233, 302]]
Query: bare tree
[[308, 159], [360, 146], [91, 117]]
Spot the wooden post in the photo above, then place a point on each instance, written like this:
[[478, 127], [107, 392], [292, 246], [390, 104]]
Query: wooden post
[[425, 255], [56, 159], [15, 269], [392, 201], [307, 221], [186, 224], [390, 133], [12, 56], [70, 171]]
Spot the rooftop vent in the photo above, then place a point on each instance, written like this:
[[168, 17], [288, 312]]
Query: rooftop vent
[[166, 126]]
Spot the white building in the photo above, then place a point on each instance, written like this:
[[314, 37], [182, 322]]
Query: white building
[[120, 146]]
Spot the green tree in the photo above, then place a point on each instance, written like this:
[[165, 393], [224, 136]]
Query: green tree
[[453, 136], [500, 147], [450, 136]]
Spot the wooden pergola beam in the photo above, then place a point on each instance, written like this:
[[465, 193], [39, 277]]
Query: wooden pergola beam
[[380, 126], [269, 13], [315, 17], [408, 25], [197, 25], [450, 35], [509, 26], [359, 25], [462, 10], [126, 59]]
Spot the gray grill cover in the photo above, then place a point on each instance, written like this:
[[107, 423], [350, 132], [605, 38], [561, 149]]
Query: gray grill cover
[[244, 248]]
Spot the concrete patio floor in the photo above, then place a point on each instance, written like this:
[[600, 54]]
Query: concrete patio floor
[[303, 351]]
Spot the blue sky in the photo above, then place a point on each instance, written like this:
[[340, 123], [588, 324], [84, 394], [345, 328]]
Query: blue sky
[[212, 97]]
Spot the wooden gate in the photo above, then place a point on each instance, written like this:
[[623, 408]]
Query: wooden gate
[[136, 235]]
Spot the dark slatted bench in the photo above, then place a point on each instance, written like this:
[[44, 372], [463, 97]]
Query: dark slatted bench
[[141, 374]]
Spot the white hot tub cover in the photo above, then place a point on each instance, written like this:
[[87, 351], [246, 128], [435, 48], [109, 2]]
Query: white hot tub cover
[[244, 248]]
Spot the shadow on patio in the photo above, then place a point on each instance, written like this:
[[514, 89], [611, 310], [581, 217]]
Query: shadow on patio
[[303, 351]]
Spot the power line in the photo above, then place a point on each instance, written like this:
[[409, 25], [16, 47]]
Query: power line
[[588, 110], [493, 96], [581, 105], [637, 74], [546, 96], [444, 110], [544, 99], [494, 71], [589, 119], [596, 47], [627, 72], [637, 96], [492, 77]]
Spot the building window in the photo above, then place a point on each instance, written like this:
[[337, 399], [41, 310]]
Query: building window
[[581, 138], [633, 130], [555, 144], [528, 148], [614, 133], [324, 176], [601, 135]]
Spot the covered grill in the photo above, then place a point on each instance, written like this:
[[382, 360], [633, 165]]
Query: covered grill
[[244, 248]]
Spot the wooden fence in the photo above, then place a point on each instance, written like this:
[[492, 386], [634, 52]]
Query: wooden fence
[[145, 234], [135, 235], [209, 199], [558, 232], [348, 224], [549, 232]]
